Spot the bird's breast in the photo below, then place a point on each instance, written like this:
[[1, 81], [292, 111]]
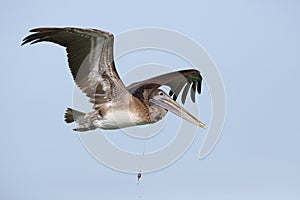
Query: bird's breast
[[123, 114]]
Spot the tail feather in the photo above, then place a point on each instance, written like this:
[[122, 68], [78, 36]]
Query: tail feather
[[84, 122], [71, 115]]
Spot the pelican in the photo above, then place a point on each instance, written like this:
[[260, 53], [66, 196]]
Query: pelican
[[115, 106]]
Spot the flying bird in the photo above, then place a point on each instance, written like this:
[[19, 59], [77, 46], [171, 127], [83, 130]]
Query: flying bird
[[115, 106]]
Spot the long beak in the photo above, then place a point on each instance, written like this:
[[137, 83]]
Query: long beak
[[171, 105]]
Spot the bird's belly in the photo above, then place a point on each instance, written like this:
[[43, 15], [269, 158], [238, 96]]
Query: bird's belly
[[119, 119]]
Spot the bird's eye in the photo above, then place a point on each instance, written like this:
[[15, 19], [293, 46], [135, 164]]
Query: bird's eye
[[161, 94]]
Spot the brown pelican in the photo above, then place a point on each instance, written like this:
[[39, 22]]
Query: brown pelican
[[91, 61]]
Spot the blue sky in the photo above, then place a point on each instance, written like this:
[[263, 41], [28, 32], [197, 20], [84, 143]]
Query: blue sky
[[255, 45]]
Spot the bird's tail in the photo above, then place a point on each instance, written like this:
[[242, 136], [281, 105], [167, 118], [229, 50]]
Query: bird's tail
[[80, 118], [72, 115]]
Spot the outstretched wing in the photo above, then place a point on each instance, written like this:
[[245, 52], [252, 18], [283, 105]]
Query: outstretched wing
[[175, 80], [90, 58]]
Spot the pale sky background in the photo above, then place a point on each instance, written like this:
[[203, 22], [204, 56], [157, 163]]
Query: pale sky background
[[255, 45]]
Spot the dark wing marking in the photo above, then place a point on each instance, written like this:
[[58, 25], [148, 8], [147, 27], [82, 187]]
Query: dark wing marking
[[175, 80], [90, 58]]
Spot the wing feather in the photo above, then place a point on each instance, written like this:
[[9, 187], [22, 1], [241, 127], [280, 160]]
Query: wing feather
[[90, 58], [175, 80]]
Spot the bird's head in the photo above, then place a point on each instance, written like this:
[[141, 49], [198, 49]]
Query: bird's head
[[158, 98]]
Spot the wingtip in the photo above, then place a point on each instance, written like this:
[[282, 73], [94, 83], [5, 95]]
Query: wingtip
[[34, 30], [26, 39], [31, 39], [40, 29]]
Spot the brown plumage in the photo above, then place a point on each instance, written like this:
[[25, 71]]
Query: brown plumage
[[91, 61]]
